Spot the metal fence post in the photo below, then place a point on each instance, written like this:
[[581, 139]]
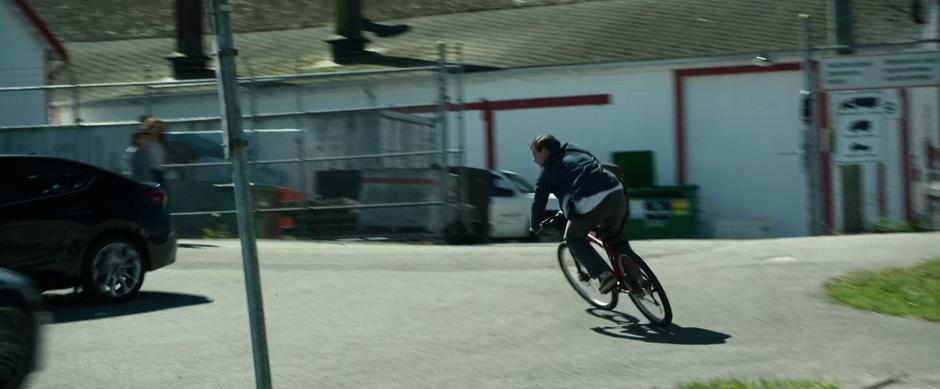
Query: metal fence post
[[931, 203], [252, 105], [461, 119], [811, 140], [302, 145], [443, 132], [148, 102], [76, 97], [235, 142], [936, 23], [462, 216]]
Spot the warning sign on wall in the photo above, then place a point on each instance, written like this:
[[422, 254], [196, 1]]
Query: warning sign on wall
[[881, 71], [862, 121]]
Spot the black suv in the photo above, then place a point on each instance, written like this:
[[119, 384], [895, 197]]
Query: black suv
[[66, 224]]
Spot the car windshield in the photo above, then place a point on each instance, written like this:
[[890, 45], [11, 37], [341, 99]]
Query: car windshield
[[523, 185]]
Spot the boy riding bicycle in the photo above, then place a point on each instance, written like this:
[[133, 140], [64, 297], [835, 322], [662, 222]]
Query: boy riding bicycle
[[589, 196]]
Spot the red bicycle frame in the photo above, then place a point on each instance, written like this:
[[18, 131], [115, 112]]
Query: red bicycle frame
[[592, 237]]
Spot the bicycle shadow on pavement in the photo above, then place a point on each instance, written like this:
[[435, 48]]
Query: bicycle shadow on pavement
[[629, 327], [73, 307]]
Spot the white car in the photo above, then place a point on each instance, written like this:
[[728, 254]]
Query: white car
[[510, 207]]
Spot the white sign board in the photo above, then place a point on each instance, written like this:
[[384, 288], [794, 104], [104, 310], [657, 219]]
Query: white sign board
[[862, 122], [881, 71]]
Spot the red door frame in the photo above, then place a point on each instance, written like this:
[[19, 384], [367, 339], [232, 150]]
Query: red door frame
[[679, 79]]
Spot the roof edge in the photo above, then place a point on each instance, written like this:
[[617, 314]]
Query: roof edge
[[43, 29]]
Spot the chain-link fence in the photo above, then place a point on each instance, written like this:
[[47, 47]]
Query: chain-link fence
[[352, 167]]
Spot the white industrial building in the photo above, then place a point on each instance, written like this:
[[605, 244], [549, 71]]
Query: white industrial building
[[713, 91]]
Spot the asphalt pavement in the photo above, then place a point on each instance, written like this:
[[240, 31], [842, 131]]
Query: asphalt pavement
[[386, 315]]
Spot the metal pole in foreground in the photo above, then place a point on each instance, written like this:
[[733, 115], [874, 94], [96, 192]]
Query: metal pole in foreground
[[461, 163], [461, 120], [936, 23], [811, 139], [220, 11], [76, 98], [148, 102], [443, 133]]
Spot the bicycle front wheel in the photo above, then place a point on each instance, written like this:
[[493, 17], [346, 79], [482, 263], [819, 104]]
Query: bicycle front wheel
[[581, 281], [651, 300]]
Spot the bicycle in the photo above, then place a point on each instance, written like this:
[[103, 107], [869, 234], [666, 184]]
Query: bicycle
[[658, 311]]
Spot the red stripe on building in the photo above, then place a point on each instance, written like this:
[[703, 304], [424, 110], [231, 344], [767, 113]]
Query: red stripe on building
[[488, 109], [505, 105]]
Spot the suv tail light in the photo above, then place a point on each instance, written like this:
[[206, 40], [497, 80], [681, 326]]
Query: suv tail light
[[156, 195]]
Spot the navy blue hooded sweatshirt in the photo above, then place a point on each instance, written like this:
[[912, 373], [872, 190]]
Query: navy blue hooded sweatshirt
[[569, 173]]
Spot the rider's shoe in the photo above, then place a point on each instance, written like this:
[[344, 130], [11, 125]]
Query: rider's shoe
[[608, 282]]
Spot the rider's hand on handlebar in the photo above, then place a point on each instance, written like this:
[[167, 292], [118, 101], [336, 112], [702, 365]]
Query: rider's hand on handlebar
[[548, 221], [537, 229]]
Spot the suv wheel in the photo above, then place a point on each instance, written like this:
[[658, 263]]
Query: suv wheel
[[114, 271]]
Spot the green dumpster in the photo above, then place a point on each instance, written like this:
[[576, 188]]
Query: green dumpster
[[637, 167], [663, 212]]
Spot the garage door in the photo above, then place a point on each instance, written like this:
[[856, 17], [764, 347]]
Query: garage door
[[743, 137]]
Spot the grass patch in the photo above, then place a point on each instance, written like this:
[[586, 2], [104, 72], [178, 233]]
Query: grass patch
[[884, 226], [909, 292], [762, 384]]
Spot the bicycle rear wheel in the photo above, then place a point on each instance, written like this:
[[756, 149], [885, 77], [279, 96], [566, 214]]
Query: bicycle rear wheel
[[651, 300], [581, 281]]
